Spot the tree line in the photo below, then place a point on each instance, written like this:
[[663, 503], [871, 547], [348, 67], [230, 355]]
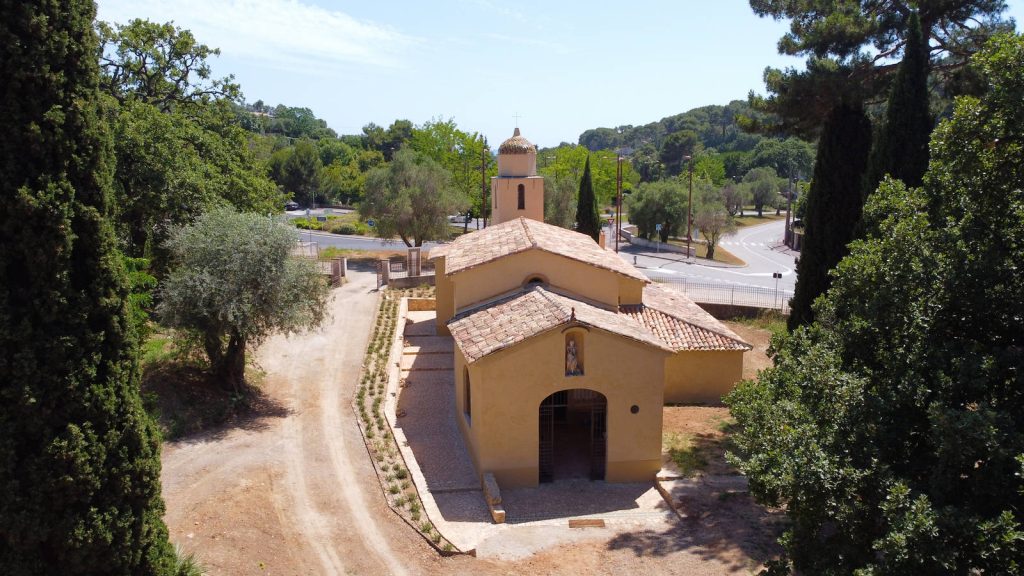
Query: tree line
[[888, 428], [130, 191]]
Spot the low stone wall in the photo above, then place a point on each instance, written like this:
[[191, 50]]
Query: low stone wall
[[411, 281], [421, 304]]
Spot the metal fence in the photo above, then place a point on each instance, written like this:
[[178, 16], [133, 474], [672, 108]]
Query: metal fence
[[732, 294], [399, 268]]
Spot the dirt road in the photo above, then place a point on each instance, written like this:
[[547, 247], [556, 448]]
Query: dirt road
[[293, 491]]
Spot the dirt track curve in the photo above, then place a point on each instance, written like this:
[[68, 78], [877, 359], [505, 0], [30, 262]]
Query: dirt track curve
[[293, 491]]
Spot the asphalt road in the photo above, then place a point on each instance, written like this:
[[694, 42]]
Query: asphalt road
[[325, 239], [759, 246]]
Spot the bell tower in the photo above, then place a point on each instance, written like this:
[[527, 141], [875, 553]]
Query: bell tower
[[517, 190]]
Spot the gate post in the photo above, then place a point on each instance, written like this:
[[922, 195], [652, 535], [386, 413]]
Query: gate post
[[414, 261], [383, 272]]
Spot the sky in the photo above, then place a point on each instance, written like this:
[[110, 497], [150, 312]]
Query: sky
[[555, 68]]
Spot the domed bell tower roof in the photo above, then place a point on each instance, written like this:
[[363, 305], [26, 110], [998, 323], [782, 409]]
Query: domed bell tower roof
[[517, 145]]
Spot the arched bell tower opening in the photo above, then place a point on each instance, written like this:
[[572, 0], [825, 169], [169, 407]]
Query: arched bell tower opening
[[517, 191]]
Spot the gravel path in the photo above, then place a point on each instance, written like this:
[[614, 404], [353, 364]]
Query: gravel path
[[293, 494]]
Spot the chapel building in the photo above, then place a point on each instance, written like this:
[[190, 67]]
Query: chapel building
[[564, 352]]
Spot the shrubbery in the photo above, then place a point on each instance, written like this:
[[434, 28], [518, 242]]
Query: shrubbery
[[308, 224], [347, 227]]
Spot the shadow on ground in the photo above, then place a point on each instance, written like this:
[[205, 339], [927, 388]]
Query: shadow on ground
[[721, 525], [189, 405]]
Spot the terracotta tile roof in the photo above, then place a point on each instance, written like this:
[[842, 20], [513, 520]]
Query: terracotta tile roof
[[517, 144], [437, 251], [524, 234], [504, 322], [680, 323]]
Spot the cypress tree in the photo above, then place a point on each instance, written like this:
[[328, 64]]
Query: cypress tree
[[79, 458], [588, 221], [901, 149], [833, 205]]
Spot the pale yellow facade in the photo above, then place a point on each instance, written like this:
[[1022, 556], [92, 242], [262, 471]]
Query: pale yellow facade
[[702, 376], [507, 389], [600, 330], [475, 285], [515, 197]]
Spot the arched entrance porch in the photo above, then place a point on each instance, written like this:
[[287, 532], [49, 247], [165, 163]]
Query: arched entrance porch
[[573, 435]]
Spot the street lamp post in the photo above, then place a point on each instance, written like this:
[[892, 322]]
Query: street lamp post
[[483, 181], [689, 208], [618, 202]]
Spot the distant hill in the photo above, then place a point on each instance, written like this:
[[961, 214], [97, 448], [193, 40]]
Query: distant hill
[[715, 126]]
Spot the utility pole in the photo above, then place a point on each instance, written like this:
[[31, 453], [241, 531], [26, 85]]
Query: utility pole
[[689, 208], [618, 203], [483, 180]]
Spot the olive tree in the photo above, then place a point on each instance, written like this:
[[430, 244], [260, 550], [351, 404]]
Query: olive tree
[[411, 198], [710, 216], [662, 202], [234, 281]]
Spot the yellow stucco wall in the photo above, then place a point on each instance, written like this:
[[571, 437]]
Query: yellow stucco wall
[[702, 377], [505, 198], [509, 386], [631, 291], [517, 164], [500, 276], [465, 424], [444, 295]]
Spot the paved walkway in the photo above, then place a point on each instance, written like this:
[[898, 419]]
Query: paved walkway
[[537, 518]]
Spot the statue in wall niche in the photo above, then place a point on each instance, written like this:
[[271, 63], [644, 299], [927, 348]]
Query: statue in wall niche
[[572, 365]]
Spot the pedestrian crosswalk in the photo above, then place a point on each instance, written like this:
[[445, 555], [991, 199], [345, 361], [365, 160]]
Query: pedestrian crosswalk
[[740, 243]]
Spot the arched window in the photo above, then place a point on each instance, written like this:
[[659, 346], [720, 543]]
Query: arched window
[[467, 403], [522, 197]]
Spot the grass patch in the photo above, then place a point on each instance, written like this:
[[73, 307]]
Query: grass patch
[[158, 348], [687, 454], [721, 254], [754, 219], [770, 320], [182, 396], [349, 224], [332, 252]]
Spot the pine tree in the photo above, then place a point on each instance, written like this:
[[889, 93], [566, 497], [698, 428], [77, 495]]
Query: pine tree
[[901, 149], [79, 458], [588, 221], [890, 429], [833, 205]]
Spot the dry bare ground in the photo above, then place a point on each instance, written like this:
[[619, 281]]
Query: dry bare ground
[[293, 491]]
